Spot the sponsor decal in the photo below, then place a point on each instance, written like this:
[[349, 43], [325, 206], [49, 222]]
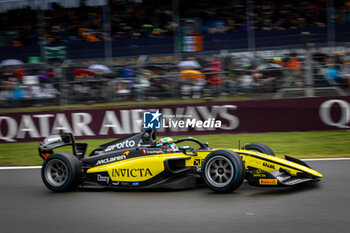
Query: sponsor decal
[[268, 181], [197, 162], [116, 183], [135, 184], [45, 155], [151, 120], [326, 116], [154, 152], [109, 123], [135, 172], [111, 160], [257, 173], [323, 114], [101, 178], [124, 184], [269, 165], [121, 145], [54, 139]]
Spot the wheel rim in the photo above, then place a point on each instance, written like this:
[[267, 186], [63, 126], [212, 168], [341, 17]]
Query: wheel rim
[[56, 172], [219, 171]]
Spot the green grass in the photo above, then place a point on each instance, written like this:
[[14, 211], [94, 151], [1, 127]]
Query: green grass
[[315, 144]]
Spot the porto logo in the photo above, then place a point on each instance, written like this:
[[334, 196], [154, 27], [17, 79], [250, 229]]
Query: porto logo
[[152, 120], [121, 145]]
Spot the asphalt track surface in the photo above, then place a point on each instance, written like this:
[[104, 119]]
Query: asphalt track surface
[[27, 206]]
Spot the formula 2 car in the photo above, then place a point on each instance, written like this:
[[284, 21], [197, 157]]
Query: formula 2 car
[[138, 161]]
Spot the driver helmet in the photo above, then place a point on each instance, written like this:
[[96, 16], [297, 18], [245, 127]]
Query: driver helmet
[[169, 147]]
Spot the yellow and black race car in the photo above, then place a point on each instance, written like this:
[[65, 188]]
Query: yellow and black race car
[[138, 161]]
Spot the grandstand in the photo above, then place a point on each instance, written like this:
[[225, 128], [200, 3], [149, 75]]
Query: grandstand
[[142, 42]]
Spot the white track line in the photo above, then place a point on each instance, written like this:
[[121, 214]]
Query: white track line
[[326, 159], [26, 167], [37, 167]]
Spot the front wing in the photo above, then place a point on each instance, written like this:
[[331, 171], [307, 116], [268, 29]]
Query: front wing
[[258, 177]]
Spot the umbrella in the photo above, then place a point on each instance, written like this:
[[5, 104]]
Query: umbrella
[[196, 74], [269, 66], [11, 62], [97, 68], [44, 78], [49, 74], [81, 72], [189, 64], [8, 73]]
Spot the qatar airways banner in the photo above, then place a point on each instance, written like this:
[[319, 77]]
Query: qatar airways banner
[[325, 113]]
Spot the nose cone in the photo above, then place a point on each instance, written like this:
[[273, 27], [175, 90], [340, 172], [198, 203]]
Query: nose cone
[[318, 174]]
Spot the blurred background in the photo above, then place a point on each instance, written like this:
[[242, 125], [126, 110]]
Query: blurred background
[[84, 51]]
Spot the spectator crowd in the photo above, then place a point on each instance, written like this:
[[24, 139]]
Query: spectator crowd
[[154, 18], [194, 77]]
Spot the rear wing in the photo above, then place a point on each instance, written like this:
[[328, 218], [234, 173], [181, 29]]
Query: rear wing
[[46, 148]]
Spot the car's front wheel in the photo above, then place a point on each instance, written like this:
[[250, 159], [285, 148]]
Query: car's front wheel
[[223, 171], [61, 172]]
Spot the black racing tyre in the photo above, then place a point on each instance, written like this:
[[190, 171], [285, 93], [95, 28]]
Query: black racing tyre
[[223, 171], [61, 172], [259, 147]]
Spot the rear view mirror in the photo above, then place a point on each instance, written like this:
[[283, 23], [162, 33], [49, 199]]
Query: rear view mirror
[[184, 147]]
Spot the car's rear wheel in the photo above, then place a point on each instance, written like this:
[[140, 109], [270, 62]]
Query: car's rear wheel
[[223, 171], [259, 147], [61, 172]]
